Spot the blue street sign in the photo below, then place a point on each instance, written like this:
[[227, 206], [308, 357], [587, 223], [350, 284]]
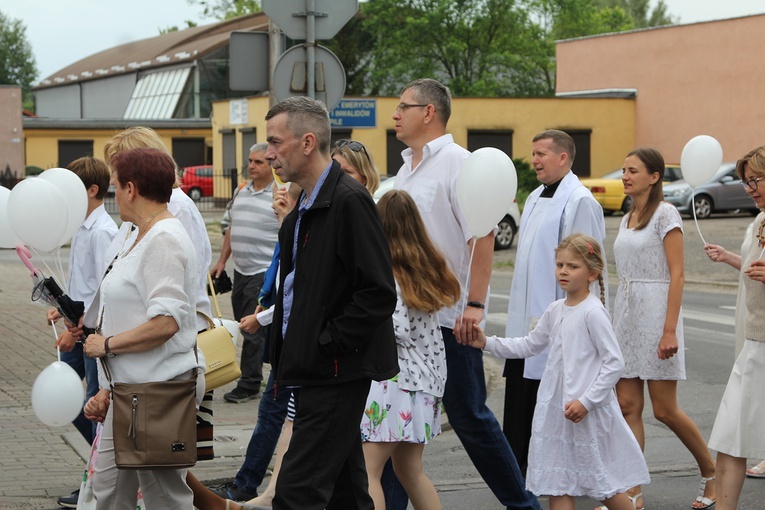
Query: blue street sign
[[354, 113]]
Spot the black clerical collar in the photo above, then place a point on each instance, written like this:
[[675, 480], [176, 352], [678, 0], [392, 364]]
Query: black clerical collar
[[549, 191]]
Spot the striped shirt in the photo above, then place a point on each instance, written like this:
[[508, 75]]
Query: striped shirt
[[254, 230]]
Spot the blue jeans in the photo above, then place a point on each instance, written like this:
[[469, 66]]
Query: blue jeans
[[85, 366], [272, 411], [478, 429]]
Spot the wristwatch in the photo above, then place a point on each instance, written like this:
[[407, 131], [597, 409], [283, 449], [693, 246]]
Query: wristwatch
[[476, 304], [109, 353]]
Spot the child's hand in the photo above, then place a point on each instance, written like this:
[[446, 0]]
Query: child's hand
[[479, 338], [66, 341], [53, 316], [250, 324], [575, 411], [756, 271]]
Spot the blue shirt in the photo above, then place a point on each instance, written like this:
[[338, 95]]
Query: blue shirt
[[289, 281]]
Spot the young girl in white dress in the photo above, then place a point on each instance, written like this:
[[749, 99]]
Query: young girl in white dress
[[580, 443], [404, 413]]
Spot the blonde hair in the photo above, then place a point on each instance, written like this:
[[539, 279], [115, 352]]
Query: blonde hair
[[137, 137], [590, 252], [755, 160], [361, 161], [421, 271]]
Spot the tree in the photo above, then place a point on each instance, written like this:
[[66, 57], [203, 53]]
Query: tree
[[640, 12], [226, 9], [174, 28], [17, 63], [476, 47]]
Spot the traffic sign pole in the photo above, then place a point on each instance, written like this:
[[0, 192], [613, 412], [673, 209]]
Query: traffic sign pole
[[311, 48]]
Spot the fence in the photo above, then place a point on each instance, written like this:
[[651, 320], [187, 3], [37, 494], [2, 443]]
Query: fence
[[211, 190]]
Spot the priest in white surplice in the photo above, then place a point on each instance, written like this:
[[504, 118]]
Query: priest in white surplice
[[560, 207]]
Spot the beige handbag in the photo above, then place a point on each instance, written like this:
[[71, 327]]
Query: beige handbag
[[218, 348]]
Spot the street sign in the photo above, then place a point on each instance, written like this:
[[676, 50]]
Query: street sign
[[354, 113], [291, 16], [291, 76], [248, 56]]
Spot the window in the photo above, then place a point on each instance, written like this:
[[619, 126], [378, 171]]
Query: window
[[394, 148], [69, 150], [500, 139]]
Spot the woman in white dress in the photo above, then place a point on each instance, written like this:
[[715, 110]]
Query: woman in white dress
[[580, 443], [647, 313], [737, 433]]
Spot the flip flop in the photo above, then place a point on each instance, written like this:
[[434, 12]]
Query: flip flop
[[757, 471]]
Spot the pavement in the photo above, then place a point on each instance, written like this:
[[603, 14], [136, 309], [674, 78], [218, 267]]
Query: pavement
[[40, 463]]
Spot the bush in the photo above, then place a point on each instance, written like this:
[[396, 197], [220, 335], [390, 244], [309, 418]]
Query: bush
[[527, 180], [33, 170]]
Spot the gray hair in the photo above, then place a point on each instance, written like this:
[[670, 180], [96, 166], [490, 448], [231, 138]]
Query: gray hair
[[259, 147], [305, 115]]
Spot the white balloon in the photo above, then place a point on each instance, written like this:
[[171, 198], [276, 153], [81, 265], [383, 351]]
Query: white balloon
[[701, 159], [486, 187], [233, 328], [75, 195], [8, 238], [38, 213], [57, 395]]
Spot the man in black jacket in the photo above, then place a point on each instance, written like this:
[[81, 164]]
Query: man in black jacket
[[332, 332]]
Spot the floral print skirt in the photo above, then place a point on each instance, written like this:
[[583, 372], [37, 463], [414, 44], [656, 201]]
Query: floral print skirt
[[394, 415]]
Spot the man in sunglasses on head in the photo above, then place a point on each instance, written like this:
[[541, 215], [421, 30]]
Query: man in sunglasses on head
[[429, 174]]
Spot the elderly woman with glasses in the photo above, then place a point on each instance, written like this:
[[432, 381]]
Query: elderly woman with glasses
[[357, 162], [737, 433]]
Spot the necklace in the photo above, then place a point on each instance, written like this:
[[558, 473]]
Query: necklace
[[143, 229], [759, 236]]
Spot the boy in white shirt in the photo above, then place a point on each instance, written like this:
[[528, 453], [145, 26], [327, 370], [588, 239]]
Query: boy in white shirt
[[87, 263]]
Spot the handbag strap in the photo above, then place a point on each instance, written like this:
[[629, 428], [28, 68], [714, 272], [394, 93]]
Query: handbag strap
[[214, 297]]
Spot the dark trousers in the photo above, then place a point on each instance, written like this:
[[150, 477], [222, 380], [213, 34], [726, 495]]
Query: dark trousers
[[271, 413], [520, 401], [85, 366], [478, 429], [324, 464], [244, 299]]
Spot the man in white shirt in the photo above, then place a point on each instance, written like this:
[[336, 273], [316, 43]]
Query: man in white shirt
[[87, 263], [250, 240], [429, 174], [559, 207]]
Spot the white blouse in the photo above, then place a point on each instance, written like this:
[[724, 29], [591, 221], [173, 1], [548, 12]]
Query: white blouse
[[158, 276]]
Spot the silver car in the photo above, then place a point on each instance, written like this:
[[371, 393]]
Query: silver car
[[722, 193]]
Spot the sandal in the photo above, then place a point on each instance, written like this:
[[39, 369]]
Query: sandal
[[633, 500], [757, 471], [705, 501]]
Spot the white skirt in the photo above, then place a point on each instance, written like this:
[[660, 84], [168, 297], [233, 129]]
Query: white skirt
[[738, 427]]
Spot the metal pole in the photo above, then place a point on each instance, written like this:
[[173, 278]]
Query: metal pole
[[310, 42], [275, 51]]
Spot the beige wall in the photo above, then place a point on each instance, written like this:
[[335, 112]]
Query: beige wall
[[41, 145], [612, 123], [703, 78], [11, 134]]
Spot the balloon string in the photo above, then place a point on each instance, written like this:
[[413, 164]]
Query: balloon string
[[467, 278], [55, 335], [693, 206]]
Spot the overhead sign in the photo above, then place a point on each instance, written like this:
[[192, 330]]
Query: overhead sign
[[291, 16], [354, 113], [291, 77]]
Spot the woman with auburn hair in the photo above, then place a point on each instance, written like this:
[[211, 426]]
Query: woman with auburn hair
[[648, 314], [404, 413]]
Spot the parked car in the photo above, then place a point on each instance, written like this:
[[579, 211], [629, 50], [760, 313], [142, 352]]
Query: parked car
[[609, 189], [197, 181], [721, 193], [506, 228]]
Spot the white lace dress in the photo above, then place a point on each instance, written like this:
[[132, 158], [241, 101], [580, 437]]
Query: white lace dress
[[641, 300]]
